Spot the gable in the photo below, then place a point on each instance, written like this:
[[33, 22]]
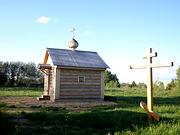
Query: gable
[[47, 58]]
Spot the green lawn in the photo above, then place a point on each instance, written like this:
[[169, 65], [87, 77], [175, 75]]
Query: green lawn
[[18, 92], [124, 118]]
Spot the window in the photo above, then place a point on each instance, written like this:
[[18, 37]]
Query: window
[[81, 79]]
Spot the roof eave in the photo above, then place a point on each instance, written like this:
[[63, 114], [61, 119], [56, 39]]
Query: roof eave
[[89, 68]]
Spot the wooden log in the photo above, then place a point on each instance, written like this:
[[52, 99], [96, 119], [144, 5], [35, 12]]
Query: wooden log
[[80, 90], [79, 97], [77, 83], [79, 71], [75, 87], [80, 93]]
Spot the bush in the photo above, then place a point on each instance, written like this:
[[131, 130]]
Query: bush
[[112, 84]]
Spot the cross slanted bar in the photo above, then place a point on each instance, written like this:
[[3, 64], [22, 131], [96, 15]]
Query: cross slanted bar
[[149, 67]]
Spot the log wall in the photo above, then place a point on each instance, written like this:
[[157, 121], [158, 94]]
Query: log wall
[[71, 88], [51, 82], [48, 83]]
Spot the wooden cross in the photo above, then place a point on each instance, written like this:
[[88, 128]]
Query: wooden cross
[[149, 67]]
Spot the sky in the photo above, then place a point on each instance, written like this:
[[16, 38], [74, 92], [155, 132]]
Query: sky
[[119, 30]]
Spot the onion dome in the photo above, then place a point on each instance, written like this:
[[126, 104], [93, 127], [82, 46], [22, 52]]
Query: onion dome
[[73, 44]]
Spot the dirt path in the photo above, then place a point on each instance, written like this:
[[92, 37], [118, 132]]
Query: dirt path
[[74, 105]]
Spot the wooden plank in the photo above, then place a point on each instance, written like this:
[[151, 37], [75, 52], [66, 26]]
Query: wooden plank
[[62, 75], [90, 77], [63, 81], [102, 85], [69, 79], [78, 70], [98, 80], [80, 87], [79, 97], [80, 90], [68, 76], [92, 81], [80, 93], [86, 83], [46, 57]]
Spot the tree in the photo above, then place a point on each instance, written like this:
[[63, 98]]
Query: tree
[[111, 79], [112, 84], [178, 78], [31, 75], [3, 77], [23, 74], [133, 84], [158, 85], [13, 70], [141, 85], [171, 85]]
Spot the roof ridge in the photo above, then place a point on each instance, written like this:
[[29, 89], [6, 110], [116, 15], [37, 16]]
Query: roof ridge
[[71, 50]]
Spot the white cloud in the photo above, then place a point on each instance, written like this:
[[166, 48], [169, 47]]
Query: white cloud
[[44, 19]]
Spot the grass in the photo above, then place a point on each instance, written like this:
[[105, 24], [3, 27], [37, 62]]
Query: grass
[[125, 118], [20, 92]]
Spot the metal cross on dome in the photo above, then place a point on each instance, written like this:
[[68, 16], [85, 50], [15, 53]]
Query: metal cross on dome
[[149, 107], [73, 31]]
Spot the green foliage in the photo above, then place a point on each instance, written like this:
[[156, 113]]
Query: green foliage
[[171, 85], [133, 84], [112, 84], [158, 85], [178, 77], [141, 85], [21, 74], [3, 78], [111, 80]]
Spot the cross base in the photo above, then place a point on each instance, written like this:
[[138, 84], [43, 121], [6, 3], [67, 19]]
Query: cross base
[[151, 114]]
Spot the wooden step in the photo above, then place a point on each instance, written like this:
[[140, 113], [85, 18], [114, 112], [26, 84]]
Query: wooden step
[[43, 97]]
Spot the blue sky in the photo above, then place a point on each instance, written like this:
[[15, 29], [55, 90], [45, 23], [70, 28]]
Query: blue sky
[[119, 30]]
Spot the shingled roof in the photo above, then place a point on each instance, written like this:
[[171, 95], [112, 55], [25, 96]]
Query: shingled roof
[[69, 58]]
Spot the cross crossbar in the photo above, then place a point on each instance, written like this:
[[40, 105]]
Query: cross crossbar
[[137, 67], [151, 65], [150, 54]]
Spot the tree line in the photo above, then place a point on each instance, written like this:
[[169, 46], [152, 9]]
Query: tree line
[[20, 74], [27, 75], [111, 81]]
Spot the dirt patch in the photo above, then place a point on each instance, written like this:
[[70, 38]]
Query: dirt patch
[[74, 105]]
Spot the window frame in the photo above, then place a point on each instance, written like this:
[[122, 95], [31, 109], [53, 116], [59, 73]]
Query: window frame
[[81, 79]]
